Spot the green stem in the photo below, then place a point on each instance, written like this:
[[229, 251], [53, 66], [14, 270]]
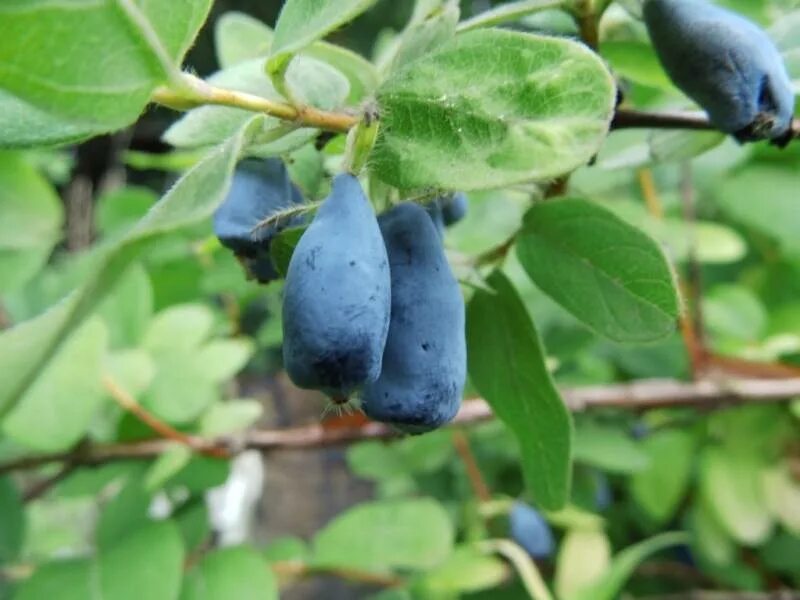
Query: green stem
[[193, 92], [525, 567]]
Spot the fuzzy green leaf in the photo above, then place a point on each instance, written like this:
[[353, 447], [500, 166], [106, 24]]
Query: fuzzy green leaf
[[492, 108]]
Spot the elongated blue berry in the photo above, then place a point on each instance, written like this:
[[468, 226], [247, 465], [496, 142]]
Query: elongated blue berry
[[337, 296], [725, 63], [424, 364]]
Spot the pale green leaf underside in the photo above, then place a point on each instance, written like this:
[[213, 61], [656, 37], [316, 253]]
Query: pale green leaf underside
[[23, 126], [492, 108], [240, 37], [26, 348], [507, 366], [303, 22], [607, 273], [31, 215]]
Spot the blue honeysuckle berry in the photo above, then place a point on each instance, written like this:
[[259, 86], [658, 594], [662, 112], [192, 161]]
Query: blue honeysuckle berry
[[725, 63], [425, 360], [259, 189], [337, 296], [530, 530]]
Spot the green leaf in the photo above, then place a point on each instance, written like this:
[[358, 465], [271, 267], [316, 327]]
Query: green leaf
[[286, 548], [27, 348], [189, 369], [231, 573], [734, 312], [507, 366], [89, 84], [681, 145], [381, 536], [313, 82], [230, 417], [508, 12], [782, 492], [282, 247], [168, 463], [709, 538], [133, 370], [360, 73], [146, 564], [65, 580], [181, 327], [30, 220], [240, 37], [303, 22], [426, 36], [126, 512], [12, 521], [609, 448], [465, 571], [609, 275], [492, 108], [731, 485], [637, 61], [659, 489], [625, 563], [413, 455], [128, 308], [26, 126], [222, 359], [744, 198], [583, 558], [60, 404], [118, 211]]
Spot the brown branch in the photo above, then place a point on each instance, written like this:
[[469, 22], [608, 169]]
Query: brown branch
[[476, 479], [40, 488], [129, 403], [636, 119], [641, 395]]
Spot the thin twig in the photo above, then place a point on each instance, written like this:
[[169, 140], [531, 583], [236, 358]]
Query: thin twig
[[637, 119], [40, 488], [129, 403], [693, 328], [476, 479], [641, 395]]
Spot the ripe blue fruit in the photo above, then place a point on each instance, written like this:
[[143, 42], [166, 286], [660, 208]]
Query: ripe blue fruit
[[726, 64], [424, 363], [531, 531], [259, 188], [454, 208], [337, 296]]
